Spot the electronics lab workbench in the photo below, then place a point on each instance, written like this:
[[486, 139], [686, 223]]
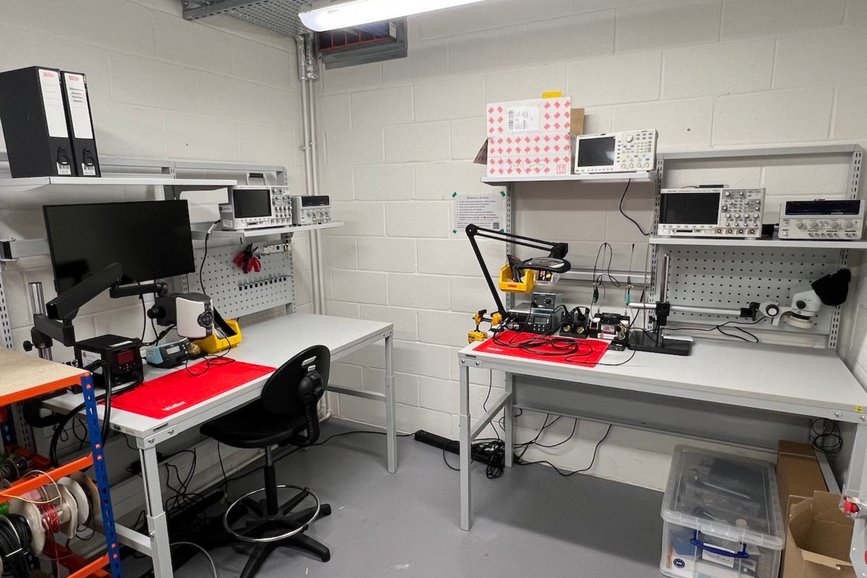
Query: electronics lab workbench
[[271, 343], [796, 381]]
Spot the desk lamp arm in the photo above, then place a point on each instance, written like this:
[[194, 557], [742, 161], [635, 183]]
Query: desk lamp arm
[[555, 251]]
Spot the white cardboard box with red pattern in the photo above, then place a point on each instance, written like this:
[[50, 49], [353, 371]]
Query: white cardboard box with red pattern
[[531, 138]]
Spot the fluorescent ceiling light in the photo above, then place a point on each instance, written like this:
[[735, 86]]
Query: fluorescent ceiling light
[[325, 15]]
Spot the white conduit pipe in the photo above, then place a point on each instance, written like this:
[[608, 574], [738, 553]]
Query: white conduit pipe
[[311, 178]]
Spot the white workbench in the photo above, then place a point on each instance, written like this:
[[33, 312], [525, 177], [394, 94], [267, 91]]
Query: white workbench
[[271, 343], [790, 380]]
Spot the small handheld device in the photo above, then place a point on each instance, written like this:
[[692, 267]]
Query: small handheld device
[[256, 207], [712, 212], [121, 357], [615, 152], [168, 355], [838, 219], [311, 210]]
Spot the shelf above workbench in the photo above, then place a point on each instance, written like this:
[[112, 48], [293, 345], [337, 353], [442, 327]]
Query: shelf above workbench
[[200, 231], [758, 243], [637, 176], [20, 185]]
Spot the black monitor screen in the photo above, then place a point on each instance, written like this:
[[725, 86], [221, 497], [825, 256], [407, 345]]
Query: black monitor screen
[[596, 152], [252, 203], [150, 240], [689, 209]]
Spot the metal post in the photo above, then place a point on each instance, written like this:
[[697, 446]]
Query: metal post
[[102, 482], [158, 528], [466, 447], [856, 487], [37, 305], [509, 422], [390, 425]]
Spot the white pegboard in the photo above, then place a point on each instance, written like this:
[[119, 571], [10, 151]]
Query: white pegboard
[[235, 293], [732, 278]]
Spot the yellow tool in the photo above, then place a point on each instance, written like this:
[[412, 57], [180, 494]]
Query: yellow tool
[[216, 343], [477, 334]]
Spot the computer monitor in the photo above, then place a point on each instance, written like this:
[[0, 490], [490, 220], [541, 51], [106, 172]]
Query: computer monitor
[[151, 240]]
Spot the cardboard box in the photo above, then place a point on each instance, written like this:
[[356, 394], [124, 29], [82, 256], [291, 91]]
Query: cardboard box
[[818, 539], [798, 474], [529, 167]]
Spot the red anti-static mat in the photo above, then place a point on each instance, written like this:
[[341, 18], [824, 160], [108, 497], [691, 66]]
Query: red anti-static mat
[[176, 391], [588, 354]]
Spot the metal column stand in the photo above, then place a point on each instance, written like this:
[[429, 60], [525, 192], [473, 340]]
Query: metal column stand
[[102, 484]]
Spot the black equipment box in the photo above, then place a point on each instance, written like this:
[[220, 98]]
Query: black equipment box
[[77, 102], [33, 116], [121, 356]]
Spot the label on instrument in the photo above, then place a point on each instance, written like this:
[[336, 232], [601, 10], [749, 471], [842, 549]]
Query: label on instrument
[[52, 99]]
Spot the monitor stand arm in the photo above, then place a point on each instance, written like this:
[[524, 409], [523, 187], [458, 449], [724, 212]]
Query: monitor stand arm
[[62, 310]]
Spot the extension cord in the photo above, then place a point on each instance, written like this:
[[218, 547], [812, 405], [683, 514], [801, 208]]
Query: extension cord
[[448, 445]]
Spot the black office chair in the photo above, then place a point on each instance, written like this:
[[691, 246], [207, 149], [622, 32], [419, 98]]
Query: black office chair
[[285, 410]]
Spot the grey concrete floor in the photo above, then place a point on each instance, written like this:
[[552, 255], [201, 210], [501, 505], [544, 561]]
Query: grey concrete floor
[[530, 522]]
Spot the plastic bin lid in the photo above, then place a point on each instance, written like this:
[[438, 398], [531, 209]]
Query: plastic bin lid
[[724, 495]]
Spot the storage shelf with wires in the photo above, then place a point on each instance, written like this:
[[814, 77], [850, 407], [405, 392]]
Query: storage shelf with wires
[[25, 377]]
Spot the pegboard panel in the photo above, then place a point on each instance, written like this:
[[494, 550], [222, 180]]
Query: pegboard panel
[[235, 293], [732, 278]]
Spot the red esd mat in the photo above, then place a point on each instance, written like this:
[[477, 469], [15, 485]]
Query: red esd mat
[[565, 350], [179, 390]]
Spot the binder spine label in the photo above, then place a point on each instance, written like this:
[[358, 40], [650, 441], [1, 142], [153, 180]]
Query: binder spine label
[[52, 99], [79, 112]]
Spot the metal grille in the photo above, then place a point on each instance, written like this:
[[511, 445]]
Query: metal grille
[[281, 16], [235, 293], [732, 278]]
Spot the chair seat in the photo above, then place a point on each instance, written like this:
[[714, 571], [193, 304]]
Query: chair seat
[[254, 427]]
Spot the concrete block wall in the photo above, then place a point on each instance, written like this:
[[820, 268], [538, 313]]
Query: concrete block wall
[[160, 87], [398, 139]]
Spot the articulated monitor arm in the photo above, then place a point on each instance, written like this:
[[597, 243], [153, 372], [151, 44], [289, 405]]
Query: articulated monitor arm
[[554, 262], [63, 309]]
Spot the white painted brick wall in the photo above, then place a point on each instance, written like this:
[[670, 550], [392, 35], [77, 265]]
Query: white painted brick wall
[[704, 73], [160, 87]]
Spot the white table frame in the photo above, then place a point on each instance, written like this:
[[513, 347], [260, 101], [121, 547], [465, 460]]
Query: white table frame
[[797, 381], [260, 345]]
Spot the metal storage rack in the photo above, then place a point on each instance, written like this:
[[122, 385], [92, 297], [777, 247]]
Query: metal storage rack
[[25, 377], [767, 258]]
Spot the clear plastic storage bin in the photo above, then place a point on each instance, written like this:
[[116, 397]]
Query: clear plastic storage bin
[[722, 517]]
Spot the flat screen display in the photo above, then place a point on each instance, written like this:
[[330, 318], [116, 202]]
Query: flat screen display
[[596, 152], [689, 209], [151, 240], [824, 208], [251, 203]]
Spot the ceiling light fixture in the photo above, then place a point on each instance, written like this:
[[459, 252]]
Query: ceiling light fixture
[[324, 15]]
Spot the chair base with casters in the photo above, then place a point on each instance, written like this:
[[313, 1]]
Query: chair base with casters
[[286, 409]]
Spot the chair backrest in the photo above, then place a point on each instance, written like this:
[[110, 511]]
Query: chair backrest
[[298, 383]]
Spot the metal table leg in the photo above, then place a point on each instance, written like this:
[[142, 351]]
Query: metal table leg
[[466, 442], [391, 428], [856, 487], [508, 423], [158, 528]]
